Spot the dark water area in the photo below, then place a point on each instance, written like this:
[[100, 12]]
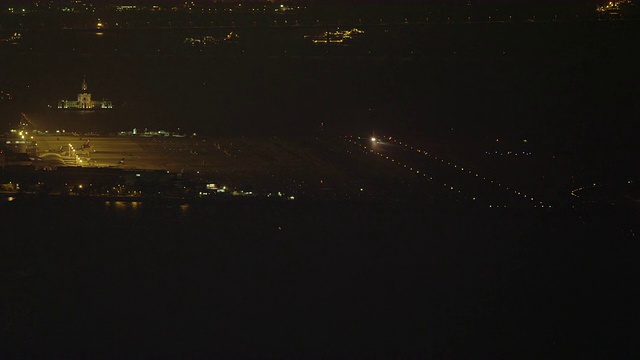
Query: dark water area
[[310, 279]]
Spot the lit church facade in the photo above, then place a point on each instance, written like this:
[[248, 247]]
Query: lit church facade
[[84, 101]]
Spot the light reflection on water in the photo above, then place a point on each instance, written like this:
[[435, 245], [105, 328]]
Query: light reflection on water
[[124, 208], [123, 205], [137, 208]]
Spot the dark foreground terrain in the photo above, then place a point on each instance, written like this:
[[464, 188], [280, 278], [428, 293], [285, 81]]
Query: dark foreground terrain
[[337, 279]]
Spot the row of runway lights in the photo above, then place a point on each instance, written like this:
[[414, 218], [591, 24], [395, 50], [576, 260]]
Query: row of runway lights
[[592, 186], [509, 153], [423, 174], [536, 203]]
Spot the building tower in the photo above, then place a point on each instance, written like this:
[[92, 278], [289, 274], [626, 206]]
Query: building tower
[[84, 97]]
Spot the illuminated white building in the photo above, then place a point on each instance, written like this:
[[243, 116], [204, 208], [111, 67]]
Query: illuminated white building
[[84, 101]]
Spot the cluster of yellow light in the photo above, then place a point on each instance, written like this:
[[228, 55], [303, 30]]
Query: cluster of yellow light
[[283, 8], [345, 34], [612, 5], [126, 7], [211, 39], [15, 37], [325, 41], [281, 195], [336, 37]]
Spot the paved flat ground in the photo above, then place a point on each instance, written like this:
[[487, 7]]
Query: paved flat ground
[[263, 161], [170, 153]]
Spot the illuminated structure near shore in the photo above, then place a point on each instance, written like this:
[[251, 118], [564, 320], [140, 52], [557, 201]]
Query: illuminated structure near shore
[[84, 101], [615, 8]]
